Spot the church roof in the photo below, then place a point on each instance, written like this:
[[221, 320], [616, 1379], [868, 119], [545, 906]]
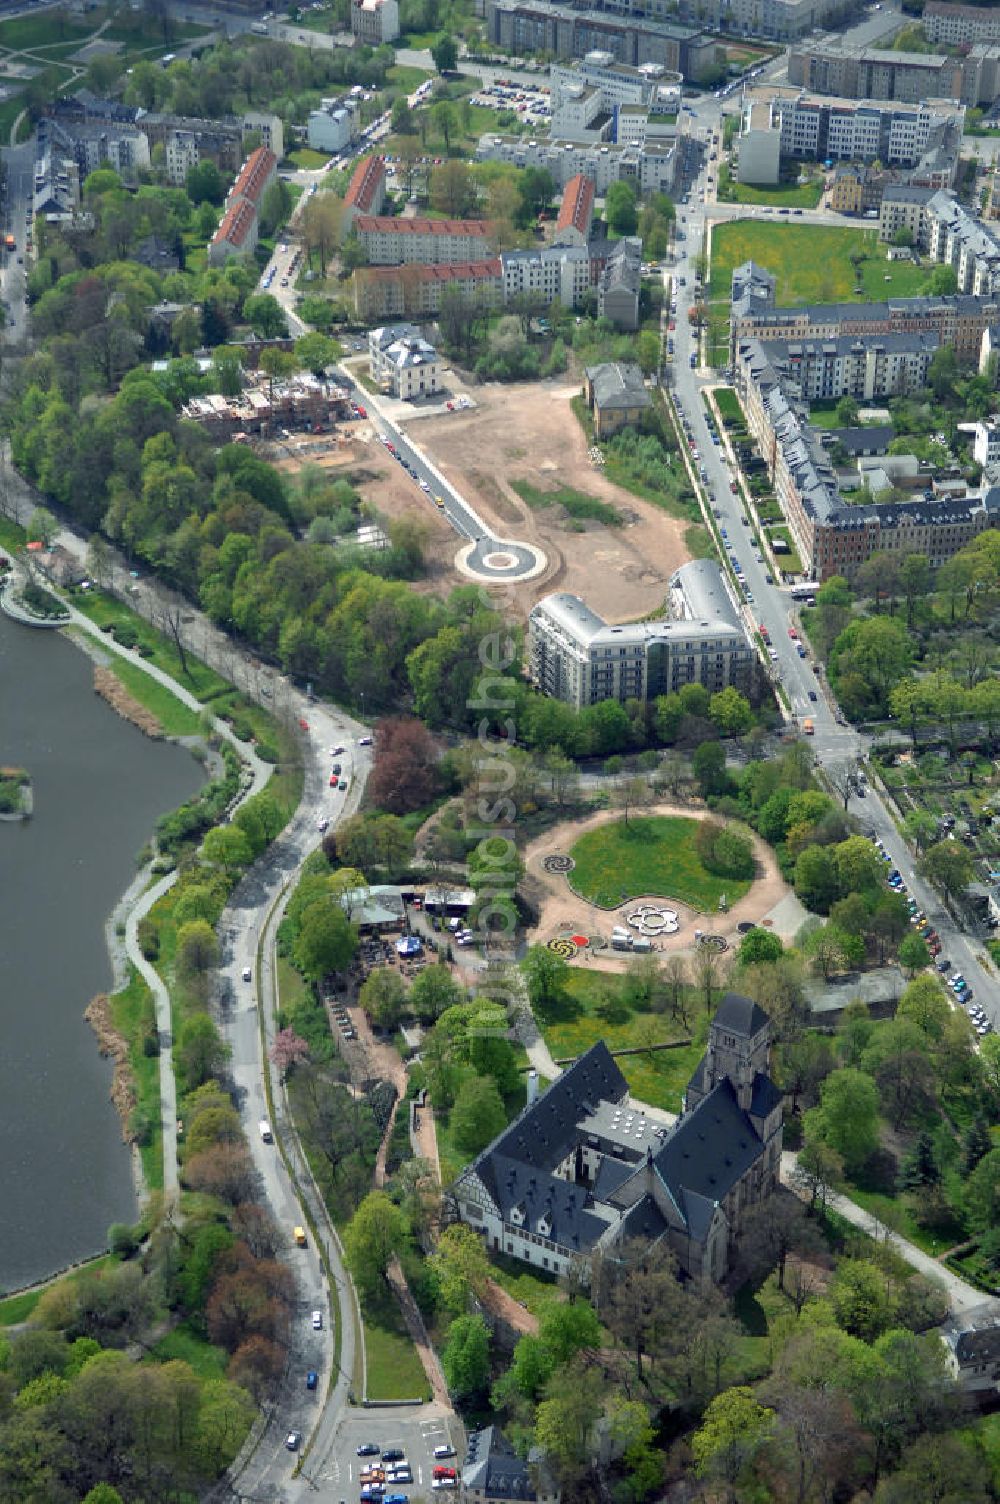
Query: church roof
[[739, 1015], [710, 1149]]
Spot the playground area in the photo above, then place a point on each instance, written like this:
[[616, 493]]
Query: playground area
[[662, 923]]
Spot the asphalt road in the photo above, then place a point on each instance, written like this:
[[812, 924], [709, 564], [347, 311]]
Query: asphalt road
[[19, 162], [834, 746]]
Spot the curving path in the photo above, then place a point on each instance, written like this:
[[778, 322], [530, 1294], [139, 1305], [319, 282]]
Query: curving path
[[260, 773]]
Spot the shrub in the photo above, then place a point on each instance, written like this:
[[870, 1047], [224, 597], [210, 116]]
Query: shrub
[[125, 634]]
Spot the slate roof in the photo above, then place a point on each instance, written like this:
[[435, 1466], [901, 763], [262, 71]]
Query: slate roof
[[710, 1149], [493, 1468], [618, 383], [765, 1096], [740, 1015]]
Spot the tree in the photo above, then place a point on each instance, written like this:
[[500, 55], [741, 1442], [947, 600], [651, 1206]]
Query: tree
[[465, 1357], [847, 412], [816, 882], [949, 866], [433, 991], [478, 1115], [620, 208], [316, 351], [546, 974], [461, 1266], [982, 1193], [200, 1053], [847, 1117], [452, 187], [914, 954], [374, 1236], [227, 847], [819, 1169], [405, 775], [197, 948], [326, 941], [730, 712], [734, 1427], [287, 1051], [204, 183], [275, 207], [445, 53], [444, 122], [42, 527], [860, 869], [383, 997], [323, 225], [709, 766]]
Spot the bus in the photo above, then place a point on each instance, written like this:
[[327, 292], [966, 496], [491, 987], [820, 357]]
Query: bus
[[805, 592]]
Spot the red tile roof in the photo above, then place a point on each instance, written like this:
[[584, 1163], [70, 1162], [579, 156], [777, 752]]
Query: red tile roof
[[237, 222], [365, 184], [385, 224], [450, 273], [254, 174], [577, 206]]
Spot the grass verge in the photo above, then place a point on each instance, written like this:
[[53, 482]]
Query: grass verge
[[133, 1016], [200, 680], [577, 504], [394, 1369], [175, 718]]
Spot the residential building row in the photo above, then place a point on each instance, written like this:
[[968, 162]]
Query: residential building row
[[536, 26], [652, 166], [955, 24], [239, 228], [947, 232], [390, 241], [582, 1171], [771, 20], [786, 358], [827, 66], [366, 192], [925, 137], [91, 129]]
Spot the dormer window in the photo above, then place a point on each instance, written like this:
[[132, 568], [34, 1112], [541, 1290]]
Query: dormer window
[[545, 1226], [517, 1216]]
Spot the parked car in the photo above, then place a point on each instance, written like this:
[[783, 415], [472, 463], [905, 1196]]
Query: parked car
[[312, 1379], [368, 1449], [293, 1440]]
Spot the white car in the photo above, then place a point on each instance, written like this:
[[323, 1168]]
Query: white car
[[246, 973], [364, 741], [424, 486]]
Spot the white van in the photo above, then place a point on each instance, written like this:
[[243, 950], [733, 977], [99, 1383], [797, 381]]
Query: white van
[[265, 1131]]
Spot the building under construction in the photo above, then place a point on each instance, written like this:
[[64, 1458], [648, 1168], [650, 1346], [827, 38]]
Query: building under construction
[[303, 403]]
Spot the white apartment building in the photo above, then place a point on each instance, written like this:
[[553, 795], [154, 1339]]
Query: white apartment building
[[776, 20], [552, 274], [985, 443], [759, 144], [575, 656], [402, 362], [824, 370], [375, 21], [652, 167], [904, 208], [333, 125], [268, 127], [848, 130], [955, 238], [181, 149]]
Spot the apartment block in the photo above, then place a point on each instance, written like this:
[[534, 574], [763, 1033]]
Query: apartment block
[[394, 292], [375, 21], [333, 125], [424, 242], [770, 20], [576, 212], [366, 190], [551, 274], [240, 224], [904, 208], [402, 362], [956, 24], [527, 26], [618, 290], [652, 167], [830, 67], [968, 245]]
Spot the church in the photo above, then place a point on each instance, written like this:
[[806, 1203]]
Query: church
[[582, 1169]]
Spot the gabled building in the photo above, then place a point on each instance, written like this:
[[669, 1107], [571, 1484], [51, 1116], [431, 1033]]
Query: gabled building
[[582, 1170], [972, 1344], [366, 190], [494, 1474]]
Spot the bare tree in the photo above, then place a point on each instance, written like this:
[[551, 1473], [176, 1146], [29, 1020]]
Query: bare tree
[[631, 794], [676, 981], [710, 974], [842, 778]]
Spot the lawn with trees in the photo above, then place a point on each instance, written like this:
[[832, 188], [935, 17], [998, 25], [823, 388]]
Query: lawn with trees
[[661, 856]]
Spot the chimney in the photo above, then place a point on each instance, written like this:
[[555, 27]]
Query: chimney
[[532, 1086]]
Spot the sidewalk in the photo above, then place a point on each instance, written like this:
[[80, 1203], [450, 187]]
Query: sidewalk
[[961, 1296]]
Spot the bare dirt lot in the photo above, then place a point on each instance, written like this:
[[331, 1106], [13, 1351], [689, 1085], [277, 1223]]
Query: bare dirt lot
[[363, 461], [529, 432]]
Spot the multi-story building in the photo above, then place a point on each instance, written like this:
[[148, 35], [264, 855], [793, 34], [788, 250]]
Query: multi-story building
[[956, 238], [904, 208], [924, 138], [56, 188], [527, 26], [772, 20], [576, 212], [856, 190], [652, 167], [393, 292], [240, 224], [366, 190], [830, 67], [582, 1170], [575, 656], [824, 370], [268, 129], [91, 144], [425, 242], [551, 274], [958, 320], [333, 125], [375, 21], [619, 286], [402, 362], [954, 24]]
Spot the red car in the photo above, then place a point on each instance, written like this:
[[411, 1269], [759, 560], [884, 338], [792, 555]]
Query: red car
[[792, 633], [333, 780], [445, 1472]]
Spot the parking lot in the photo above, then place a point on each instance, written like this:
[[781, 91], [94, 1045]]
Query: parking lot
[[416, 1433], [532, 102]]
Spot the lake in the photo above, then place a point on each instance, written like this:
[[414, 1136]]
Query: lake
[[99, 786]]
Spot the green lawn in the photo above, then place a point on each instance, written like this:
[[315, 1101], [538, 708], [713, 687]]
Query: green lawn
[[810, 262], [730, 408], [12, 535], [305, 158], [790, 195], [594, 1007], [208, 1362], [202, 682], [405, 78], [650, 855], [533, 1288], [395, 1371], [578, 504], [27, 32], [18, 1308], [790, 561], [175, 718]]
